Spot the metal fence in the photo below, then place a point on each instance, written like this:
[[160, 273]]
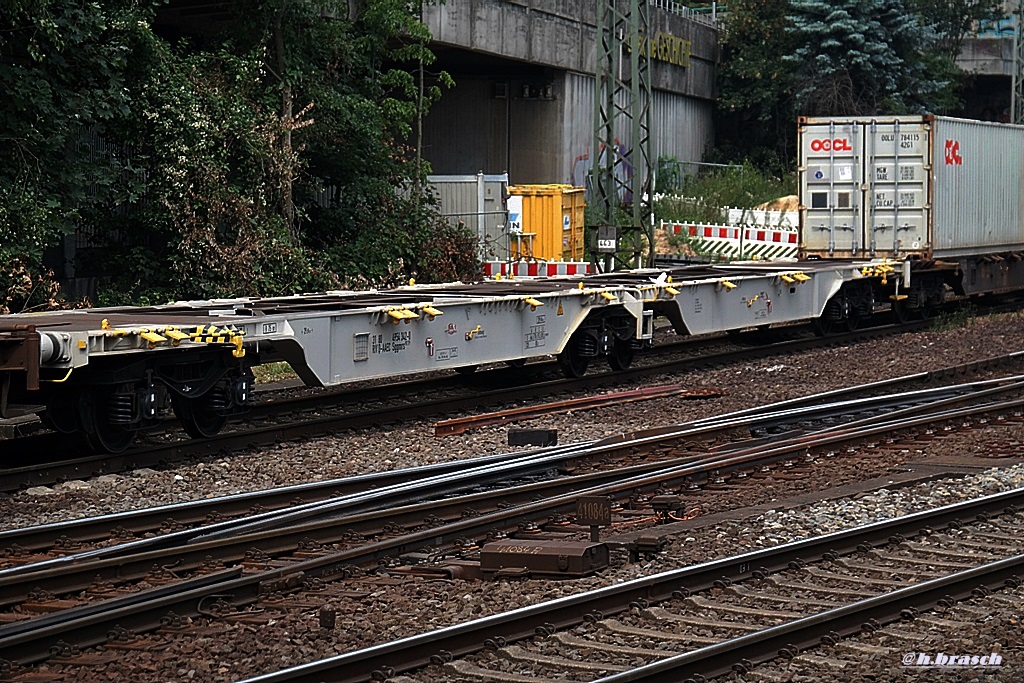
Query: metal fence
[[708, 14]]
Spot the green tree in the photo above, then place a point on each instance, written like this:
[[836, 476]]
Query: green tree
[[267, 158], [787, 57], [862, 57], [359, 80], [62, 65], [756, 88], [955, 20]]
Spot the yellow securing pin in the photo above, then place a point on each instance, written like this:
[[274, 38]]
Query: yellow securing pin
[[152, 337], [104, 324], [239, 350], [609, 296], [788, 279], [800, 277], [176, 335], [432, 312], [672, 290], [534, 303], [729, 286]]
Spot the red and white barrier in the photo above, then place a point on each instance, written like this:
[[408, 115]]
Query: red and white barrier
[[535, 268], [736, 242]]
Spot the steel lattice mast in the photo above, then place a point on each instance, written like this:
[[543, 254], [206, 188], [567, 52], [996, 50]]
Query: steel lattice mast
[[1017, 95], [622, 172]]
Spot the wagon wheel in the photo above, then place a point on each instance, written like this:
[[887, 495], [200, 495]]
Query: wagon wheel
[[622, 354], [196, 418], [900, 311], [93, 414], [852, 322], [573, 364], [838, 316], [61, 413], [823, 327]]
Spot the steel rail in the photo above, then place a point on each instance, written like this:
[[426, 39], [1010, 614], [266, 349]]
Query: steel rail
[[473, 476], [833, 395], [416, 651], [332, 564], [80, 571], [740, 654], [638, 477], [194, 512], [34, 639], [365, 500], [210, 509]]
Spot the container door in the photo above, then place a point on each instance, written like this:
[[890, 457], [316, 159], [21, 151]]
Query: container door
[[895, 158], [493, 215], [573, 205], [830, 179]]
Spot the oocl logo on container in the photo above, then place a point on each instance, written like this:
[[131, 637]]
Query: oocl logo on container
[[836, 145]]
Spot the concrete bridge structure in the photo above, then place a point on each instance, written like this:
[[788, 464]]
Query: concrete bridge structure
[[524, 95], [989, 57]]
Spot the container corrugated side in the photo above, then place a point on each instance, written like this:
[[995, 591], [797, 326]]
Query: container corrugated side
[[552, 220], [978, 190]]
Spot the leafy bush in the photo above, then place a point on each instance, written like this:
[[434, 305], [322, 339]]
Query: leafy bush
[[260, 161], [702, 197]]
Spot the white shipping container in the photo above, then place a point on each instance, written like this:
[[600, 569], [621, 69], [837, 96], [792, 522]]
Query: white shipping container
[[900, 186]]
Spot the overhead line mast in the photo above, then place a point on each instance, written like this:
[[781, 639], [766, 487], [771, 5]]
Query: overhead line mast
[[622, 172], [1017, 96]]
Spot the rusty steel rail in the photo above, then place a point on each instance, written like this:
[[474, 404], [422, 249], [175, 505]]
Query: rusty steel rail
[[652, 475], [379, 662], [444, 480], [34, 640], [198, 511], [460, 425], [334, 564], [741, 654], [208, 510]]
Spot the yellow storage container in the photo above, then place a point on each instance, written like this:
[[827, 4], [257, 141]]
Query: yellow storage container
[[552, 222]]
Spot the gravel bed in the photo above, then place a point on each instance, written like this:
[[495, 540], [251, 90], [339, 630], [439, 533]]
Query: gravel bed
[[375, 610]]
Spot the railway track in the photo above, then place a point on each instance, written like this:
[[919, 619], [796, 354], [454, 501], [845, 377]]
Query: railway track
[[726, 435], [285, 550], [719, 617]]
